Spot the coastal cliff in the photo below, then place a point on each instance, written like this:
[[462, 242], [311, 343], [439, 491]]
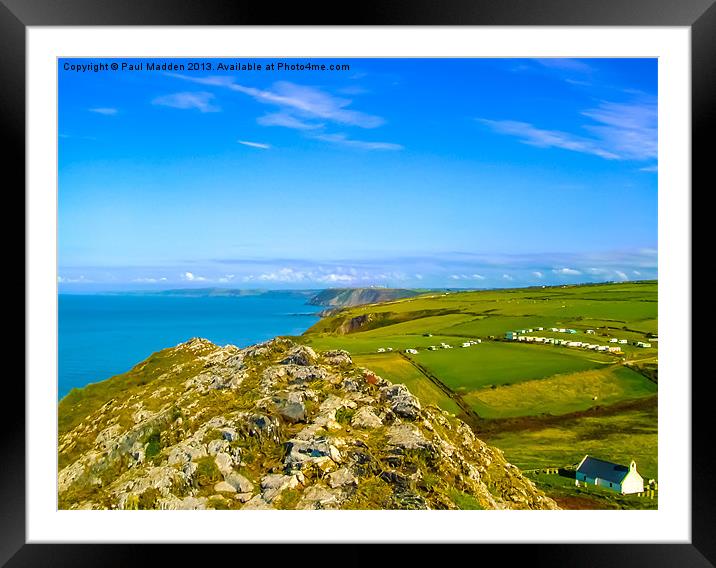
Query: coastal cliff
[[272, 426], [346, 297]]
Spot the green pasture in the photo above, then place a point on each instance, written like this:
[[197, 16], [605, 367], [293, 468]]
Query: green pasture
[[618, 433], [502, 363], [492, 312], [561, 394], [543, 405], [363, 343], [396, 369]]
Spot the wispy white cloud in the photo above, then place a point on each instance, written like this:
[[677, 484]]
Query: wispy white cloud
[[619, 131], [73, 280], [621, 275], [303, 102], [344, 140], [107, 111], [287, 121], [260, 145], [567, 271], [578, 82], [191, 277], [333, 278], [650, 169], [538, 274], [291, 275], [201, 101], [565, 64], [507, 277], [150, 280], [467, 277], [530, 134], [627, 129]]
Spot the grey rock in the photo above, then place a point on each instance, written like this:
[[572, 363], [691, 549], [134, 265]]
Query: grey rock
[[229, 434], [401, 401], [224, 487], [319, 497], [257, 502], [338, 357], [224, 462], [341, 478], [216, 446], [365, 417], [187, 503], [258, 425], [293, 412], [407, 437], [239, 482], [274, 484], [300, 355]]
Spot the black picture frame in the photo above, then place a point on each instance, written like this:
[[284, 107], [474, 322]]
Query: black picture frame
[[699, 15]]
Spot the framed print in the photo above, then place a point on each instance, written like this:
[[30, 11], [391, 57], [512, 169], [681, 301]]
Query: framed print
[[422, 276]]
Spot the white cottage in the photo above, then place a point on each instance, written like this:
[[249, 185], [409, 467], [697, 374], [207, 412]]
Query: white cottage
[[613, 476]]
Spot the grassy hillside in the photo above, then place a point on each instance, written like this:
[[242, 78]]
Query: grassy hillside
[[545, 405]]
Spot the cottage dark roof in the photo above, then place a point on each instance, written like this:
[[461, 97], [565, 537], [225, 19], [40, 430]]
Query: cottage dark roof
[[593, 467]]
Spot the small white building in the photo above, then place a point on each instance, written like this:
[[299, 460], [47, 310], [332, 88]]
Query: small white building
[[615, 349], [590, 331], [432, 348], [623, 341], [643, 344], [466, 344], [625, 480], [381, 349], [613, 340], [412, 351]]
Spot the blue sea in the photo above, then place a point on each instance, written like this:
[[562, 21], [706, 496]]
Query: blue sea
[[103, 335]]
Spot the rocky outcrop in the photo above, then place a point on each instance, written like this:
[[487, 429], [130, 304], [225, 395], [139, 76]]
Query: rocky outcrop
[[276, 426], [344, 297]]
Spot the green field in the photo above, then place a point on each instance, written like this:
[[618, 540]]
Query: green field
[[620, 433], [502, 363], [543, 405], [365, 344], [397, 369], [561, 393]]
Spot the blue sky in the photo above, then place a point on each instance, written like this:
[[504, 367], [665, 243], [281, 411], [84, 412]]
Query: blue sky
[[399, 172]]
